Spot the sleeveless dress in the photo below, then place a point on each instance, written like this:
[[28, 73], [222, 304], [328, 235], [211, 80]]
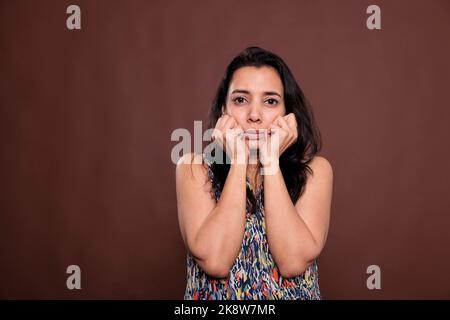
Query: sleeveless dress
[[254, 275]]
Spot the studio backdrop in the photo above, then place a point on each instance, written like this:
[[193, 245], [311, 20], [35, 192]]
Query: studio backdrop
[[91, 92]]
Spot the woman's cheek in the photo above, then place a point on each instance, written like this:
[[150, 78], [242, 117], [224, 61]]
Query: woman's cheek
[[276, 112], [274, 117], [239, 115]]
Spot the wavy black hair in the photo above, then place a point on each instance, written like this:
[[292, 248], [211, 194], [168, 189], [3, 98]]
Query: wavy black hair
[[294, 160]]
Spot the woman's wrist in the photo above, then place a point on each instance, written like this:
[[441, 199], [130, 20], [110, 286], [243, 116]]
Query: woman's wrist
[[239, 159], [270, 166], [239, 167]]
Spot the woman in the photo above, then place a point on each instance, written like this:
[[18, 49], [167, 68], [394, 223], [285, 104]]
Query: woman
[[251, 233]]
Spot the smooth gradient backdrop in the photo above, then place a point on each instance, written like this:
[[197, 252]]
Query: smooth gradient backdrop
[[86, 117]]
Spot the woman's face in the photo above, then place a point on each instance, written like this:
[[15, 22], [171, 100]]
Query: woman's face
[[255, 97]]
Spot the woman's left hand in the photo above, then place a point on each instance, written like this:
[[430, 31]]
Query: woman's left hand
[[282, 132]]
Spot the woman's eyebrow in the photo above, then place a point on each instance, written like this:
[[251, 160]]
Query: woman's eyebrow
[[272, 93], [266, 93], [240, 91]]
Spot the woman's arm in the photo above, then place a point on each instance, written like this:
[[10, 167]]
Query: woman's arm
[[297, 234], [213, 233]]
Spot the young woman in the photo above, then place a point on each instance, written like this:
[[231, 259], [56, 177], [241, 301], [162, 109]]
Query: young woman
[[250, 232]]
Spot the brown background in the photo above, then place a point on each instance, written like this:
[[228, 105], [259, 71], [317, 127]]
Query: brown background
[[86, 119]]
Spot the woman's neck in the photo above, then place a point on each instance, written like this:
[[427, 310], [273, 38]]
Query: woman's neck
[[253, 175]]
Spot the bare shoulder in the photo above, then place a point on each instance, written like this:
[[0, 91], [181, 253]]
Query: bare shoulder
[[321, 167], [318, 188], [191, 169]]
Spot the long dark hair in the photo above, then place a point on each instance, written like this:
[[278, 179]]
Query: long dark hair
[[294, 160]]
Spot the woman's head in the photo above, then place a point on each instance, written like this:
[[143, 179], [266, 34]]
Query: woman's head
[[269, 90], [255, 97], [256, 88]]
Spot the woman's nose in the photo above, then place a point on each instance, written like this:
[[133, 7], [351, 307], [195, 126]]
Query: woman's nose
[[254, 114]]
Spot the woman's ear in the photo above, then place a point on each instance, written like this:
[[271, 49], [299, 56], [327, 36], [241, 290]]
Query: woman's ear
[[223, 109]]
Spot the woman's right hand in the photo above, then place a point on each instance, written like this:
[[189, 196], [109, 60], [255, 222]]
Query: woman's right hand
[[230, 137]]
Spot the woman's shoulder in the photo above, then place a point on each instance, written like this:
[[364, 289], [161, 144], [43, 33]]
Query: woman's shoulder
[[322, 165], [191, 158], [196, 163]]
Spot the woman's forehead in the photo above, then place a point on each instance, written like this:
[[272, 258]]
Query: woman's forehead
[[256, 80]]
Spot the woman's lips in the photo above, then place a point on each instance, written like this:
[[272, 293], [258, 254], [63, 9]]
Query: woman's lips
[[253, 134]]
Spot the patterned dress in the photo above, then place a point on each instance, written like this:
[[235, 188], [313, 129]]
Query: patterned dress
[[254, 275]]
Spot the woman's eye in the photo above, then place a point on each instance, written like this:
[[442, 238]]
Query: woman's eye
[[239, 100], [272, 101]]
